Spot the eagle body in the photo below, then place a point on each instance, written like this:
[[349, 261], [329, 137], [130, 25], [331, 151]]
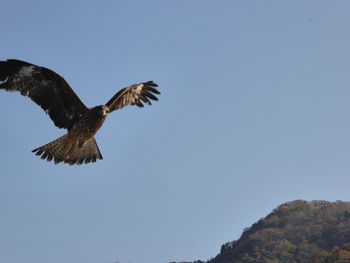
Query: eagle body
[[88, 124], [50, 91]]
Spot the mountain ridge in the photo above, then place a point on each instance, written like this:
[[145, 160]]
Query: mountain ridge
[[295, 232]]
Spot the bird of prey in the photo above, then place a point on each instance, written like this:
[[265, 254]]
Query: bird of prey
[[50, 91]]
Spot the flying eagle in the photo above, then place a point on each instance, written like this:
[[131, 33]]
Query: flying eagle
[[50, 91]]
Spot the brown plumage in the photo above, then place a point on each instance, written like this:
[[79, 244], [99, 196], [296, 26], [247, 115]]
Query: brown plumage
[[50, 91]]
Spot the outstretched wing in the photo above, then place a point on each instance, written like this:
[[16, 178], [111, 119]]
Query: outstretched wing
[[44, 87], [134, 95]]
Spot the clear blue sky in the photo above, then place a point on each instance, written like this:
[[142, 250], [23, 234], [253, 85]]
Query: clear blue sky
[[254, 112]]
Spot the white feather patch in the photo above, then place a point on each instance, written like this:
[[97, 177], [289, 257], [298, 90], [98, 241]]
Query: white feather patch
[[26, 71], [139, 88]]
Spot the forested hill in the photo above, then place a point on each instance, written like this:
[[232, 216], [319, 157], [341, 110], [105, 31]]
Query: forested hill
[[295, 232]]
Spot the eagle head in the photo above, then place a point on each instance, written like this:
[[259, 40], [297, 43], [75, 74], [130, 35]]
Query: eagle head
[[103, 110]]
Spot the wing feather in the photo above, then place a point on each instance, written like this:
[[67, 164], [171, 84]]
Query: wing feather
[[134, 95], [45, 87]]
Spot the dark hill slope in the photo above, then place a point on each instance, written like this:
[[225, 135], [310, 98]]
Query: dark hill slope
[[295, 232]]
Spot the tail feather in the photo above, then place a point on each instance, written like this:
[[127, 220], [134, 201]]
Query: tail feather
[[87, 153], [71, 153]]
